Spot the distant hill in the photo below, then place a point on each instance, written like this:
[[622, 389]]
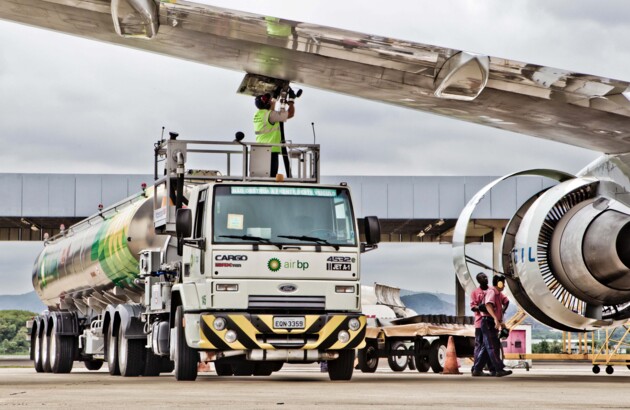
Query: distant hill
[[428, 304], [28, 301]]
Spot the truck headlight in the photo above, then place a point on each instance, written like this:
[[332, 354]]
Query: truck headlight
[[227, 287], [354, 324], [344, 289], [230, 336], [219, 323], [343, 336]]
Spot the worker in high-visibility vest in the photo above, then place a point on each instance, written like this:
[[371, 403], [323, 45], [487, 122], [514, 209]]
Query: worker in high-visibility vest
[[267, 125]]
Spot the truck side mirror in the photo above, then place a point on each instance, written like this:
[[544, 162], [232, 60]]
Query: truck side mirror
[[372, 230], [183, 223]]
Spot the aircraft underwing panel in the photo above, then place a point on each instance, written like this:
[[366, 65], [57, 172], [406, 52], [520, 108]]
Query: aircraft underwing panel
[[577, 109]]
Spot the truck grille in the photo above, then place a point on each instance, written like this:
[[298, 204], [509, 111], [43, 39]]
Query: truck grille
[[288, 341], [287, 302]]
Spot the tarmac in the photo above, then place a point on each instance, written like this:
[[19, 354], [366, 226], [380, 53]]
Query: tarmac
[[545, 385]]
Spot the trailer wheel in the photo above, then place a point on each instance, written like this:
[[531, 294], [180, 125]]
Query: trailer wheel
[[45, 349], [397, 361], [37, 352], [368, 357], [111, 348], [437, 355], [61, 352], [422, 348], [131, 355], [92, 364], [186, 359], [342, 367]]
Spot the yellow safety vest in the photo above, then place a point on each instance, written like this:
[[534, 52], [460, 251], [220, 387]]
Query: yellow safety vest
[[267, 133]]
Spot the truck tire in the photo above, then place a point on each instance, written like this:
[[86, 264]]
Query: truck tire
[[37, 352], [397, 362], [186, 359], [167, 365], [111, 349], [264, 368], [422, 348], [152, 364], [92, 364], [46, 351], [61, 351], [244, 368], [342, 367], [223, 369], [368, 357], [437, 355], [130, 355], [277, 366]]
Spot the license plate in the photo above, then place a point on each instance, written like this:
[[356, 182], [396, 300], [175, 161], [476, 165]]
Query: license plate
[[288, 322]]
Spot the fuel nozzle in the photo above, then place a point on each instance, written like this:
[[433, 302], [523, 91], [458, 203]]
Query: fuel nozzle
[[286, 93]]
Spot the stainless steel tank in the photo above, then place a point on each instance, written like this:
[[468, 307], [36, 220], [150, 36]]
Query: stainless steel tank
[[96, 255]]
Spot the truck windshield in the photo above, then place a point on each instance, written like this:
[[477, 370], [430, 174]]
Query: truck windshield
[[283, 215]]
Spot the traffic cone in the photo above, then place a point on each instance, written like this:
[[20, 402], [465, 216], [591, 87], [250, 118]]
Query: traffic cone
[[450, 364]]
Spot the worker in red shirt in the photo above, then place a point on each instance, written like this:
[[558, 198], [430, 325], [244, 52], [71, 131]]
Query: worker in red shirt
[[477, 305], [492, 323]]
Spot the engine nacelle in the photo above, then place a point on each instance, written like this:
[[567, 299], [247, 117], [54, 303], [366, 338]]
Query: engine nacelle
[[566, 253]]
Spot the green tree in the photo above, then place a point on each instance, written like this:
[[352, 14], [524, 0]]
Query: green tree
[[13, 333], [541, 347]]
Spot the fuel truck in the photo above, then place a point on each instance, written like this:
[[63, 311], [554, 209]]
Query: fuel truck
[[246, 271]]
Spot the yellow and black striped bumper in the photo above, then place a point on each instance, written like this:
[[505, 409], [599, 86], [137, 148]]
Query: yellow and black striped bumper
[[257, 332]]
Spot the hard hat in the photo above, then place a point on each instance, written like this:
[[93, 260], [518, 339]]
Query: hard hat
[[498, 281], [263, 101]]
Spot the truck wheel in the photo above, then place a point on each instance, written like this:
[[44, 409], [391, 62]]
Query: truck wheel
[[167, 365], [277, 366], [397, 361], [437, 355], [46, 351], [61, 352], [342, 367], [244, 368], [37, 352], [111, 348], [130, 355], [223, 369], [92, 364], [422, 348], [152, 364], [263, 369], [186, 359], [368, 357]]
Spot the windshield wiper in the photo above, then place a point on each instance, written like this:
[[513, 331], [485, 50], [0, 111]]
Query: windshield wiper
[[310, 239], [251, 238]]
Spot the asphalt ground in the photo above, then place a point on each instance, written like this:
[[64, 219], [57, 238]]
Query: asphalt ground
[[545, 385]]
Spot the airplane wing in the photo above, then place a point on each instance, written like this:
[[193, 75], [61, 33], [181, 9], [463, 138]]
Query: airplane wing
[[578, 109]]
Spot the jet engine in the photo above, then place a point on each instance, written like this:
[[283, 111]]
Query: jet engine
[[565, 253]]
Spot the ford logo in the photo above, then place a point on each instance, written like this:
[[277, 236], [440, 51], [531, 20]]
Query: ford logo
[[287, 288]]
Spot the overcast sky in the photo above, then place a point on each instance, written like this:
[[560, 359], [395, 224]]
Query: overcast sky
[[75, 106]]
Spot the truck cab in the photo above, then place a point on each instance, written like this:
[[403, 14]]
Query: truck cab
[[270, 271]]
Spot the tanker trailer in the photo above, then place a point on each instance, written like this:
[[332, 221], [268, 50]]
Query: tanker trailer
[[83, 272], [245, 271]]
